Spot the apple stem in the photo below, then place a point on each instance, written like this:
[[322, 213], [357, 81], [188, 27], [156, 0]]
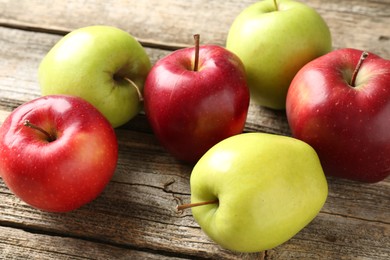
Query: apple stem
[[276, 5], [355, 72], [192, 205], [196, 62], [140, 97], [50, 137]]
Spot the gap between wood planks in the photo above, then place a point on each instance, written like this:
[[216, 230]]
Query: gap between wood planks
[[32, 230], [356, 218], [63, 31]]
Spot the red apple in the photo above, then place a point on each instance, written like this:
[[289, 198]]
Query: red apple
[[196, 97], [57, 153], [340, 105]]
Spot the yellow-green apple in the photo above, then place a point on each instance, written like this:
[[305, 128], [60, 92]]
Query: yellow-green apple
[[102, 64], [274, 39], [254, 191], [196, 97], [340, 105], [57, 152]]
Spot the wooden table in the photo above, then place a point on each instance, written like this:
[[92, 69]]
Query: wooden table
[[135, 217]]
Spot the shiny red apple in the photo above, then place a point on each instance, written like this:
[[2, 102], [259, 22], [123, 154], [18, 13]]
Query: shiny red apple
[[340, 105], [57, 153], [196, 97]]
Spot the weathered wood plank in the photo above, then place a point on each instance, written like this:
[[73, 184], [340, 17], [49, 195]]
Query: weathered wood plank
[[46, 246], [369, 202], [369, 240], [170, 23]]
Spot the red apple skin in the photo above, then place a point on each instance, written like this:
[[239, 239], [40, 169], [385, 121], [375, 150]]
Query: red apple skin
[[349, 127], [190, 111], [64, 174]]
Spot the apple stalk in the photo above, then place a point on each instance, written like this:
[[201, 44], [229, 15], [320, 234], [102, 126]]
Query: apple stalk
[[276, 5], [140, 97], [196, 62], [192, 205], [50, 138], [355, 72]]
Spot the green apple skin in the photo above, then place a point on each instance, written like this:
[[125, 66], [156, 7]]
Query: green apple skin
[[268, 186], [92, 63], [274, 45]]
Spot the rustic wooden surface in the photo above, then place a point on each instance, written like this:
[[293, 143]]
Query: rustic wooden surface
[[135, 217]]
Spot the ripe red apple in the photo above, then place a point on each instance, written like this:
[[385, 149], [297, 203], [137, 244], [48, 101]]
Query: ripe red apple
[[340, 105], [57, 153], [196, 97]]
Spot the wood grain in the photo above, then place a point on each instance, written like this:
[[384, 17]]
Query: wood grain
[[135, 217]]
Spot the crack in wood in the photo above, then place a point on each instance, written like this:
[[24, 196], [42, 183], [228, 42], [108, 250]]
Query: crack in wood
[[7, 104], [63, 31], [356, 218]]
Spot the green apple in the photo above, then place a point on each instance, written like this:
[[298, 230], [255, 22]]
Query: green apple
[[101, 64], [255, 191], [274, 39]]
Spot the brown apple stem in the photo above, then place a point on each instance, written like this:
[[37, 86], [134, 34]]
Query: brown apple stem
[[355, 72], [50, 137], [140, 97], [192, 205], [196, 62], [276, 5]]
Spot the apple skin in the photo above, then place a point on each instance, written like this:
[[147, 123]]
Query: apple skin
[[269, 187], [274, 45], [64, 174], [190, 111], [92, 62], [347, 126]]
